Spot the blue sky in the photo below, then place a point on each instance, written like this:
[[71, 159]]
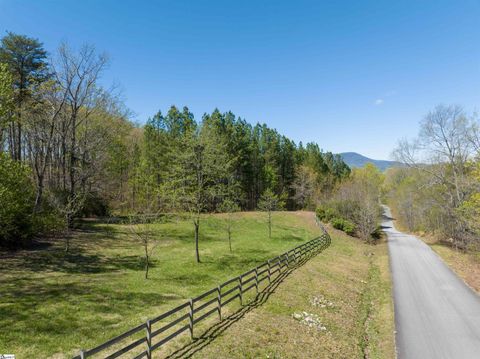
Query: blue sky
[[350, 75]]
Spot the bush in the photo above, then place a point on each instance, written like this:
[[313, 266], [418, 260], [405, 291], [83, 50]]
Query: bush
[[377, 233], [48, 222], [344, 225], [94, 206], [349, 227], [325, 213], [16, 203], [320, 212]]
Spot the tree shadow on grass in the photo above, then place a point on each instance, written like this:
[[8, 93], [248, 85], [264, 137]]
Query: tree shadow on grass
[[77, 261], [35, 310], [290, 237], [243, 258]]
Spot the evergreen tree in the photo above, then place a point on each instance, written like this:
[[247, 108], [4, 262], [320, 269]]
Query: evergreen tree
[[26, 61], [198, 176]]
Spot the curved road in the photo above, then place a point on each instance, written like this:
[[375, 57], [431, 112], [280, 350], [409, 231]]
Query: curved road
[[436, 314]]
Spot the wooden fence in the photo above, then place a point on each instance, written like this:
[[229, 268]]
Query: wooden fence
[[184, 317]]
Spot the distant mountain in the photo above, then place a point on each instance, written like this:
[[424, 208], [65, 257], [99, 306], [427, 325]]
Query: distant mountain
[[353, 159]]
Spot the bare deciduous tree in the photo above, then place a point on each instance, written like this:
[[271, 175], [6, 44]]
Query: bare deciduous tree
[[270, 202], [304, 186], [78, 75], [141, 226], [229, 207], [442, 151]]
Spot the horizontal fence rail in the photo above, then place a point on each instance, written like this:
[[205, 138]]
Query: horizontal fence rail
[[184, 317]]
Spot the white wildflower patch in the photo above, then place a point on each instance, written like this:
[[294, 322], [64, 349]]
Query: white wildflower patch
[[309, 319], [321, 301]]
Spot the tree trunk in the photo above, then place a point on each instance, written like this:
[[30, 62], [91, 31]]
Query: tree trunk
[[19, 150], [72, 172], [1, 140], [67, 241], [11, 140], [269, 224], [38, 197], [70, 220], [230, 237], [64, 158], [147, 262], [197, 253]]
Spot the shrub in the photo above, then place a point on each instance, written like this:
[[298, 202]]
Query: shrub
[[337, 223], [16, 203], [343, 225], [377, 233], [94, 206], [349, 227], [48, 222], [326, 213], [320, 212]]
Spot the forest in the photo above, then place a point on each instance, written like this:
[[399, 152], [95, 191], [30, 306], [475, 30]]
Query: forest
[[69, 149]]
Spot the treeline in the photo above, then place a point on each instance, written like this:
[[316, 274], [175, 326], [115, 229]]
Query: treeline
[[439, 189], [69, 149]]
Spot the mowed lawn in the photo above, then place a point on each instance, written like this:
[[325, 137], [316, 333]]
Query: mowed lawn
[[53, 303]]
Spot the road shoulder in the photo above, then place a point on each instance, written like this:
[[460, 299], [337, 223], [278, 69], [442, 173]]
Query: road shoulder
[[465, 265]]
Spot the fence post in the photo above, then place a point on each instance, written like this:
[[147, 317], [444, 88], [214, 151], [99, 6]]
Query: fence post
[[268, 271], [241, 289], [288, 262], [219, 302], [82, 354], [149, 340], [256, 279], [190, 317]]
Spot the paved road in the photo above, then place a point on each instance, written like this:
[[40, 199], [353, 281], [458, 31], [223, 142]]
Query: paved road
[[436, 314]]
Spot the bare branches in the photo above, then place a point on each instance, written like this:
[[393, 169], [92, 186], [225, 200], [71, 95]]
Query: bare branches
[[141, 227], [441, 156]]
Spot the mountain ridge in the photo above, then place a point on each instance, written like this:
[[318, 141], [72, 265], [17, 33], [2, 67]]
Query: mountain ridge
[[355, 160]]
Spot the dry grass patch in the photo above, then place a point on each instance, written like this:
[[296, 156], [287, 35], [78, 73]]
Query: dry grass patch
[[466, 265]]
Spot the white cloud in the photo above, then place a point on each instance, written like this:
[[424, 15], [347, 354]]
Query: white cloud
[[378, 102]]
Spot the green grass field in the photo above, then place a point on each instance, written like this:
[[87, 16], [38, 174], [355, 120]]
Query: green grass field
[[53, 303]]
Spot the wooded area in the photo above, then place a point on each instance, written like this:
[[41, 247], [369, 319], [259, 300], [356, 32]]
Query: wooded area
[[69, 149], [438, 189]]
